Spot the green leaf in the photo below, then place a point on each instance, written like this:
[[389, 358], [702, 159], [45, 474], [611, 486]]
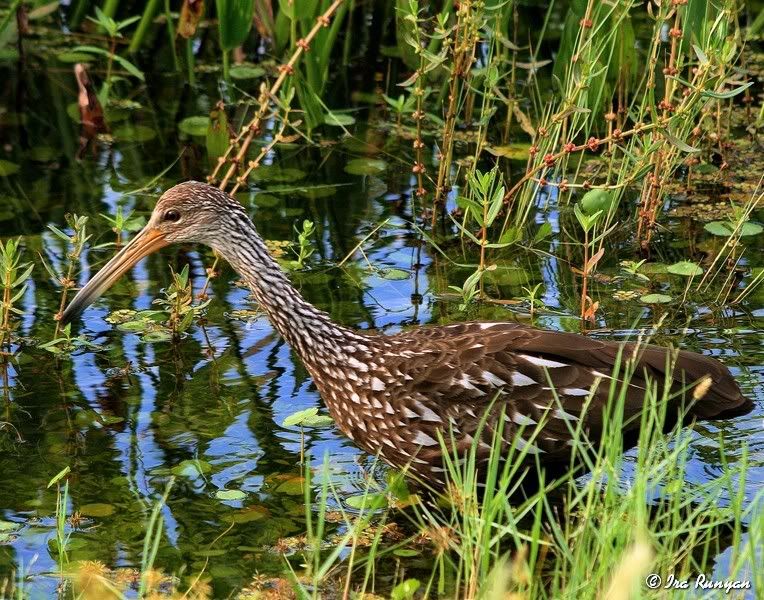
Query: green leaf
[[97, 509], [8, 168], [59, 476], [122, 62], [230, 495], [9, 525], [393, 274], [299, 417], [134, 133], [365, 166], [195, 125], [234, 22], [597, 200], [367, 501], [191, 468], [74, 57], [246, 72], [655, 299], [680, 144], [511, 151], [318, 421], [726, 228], [685, 268], [405, 590], [729, 94], [338, 119]]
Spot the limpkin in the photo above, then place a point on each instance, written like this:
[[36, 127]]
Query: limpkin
[[400, 396]]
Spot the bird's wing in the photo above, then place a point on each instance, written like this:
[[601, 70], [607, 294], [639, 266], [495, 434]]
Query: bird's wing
[[545, 383]]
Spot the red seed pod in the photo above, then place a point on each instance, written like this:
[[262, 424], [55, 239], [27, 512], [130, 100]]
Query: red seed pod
[[549, 160], [533, 150], [617, 133], [569, 147], [592, 143]]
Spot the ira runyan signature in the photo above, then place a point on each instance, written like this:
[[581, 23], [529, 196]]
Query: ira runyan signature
[[701, 582]]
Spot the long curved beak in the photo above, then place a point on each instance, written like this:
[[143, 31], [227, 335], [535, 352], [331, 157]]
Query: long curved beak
[[147, 241]]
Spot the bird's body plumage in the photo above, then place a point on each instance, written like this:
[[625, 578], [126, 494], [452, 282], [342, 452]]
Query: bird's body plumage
[[404, 397]]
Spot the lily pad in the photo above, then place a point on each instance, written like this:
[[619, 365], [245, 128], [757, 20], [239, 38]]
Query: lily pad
[[725, 228], [230, 495], [8, 168], [157, 336], [9, 525], [97, 509], [365, 166], [277, 174], [195, 125], [134, 133], [655, 299], [685, 268], [246, 72], [191, 468], [248, 514], [367, 501], [135, 325], [394, 274], [122, 315]]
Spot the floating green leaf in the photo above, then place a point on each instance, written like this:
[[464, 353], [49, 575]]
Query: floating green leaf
[[157, 336], [191, 468], [365, 166], [393, 274], [277, 174], [685, 268], [655, 299], [195, 125], [9, 525], [726, 228], [230, 495], [96, 509], [367, 501], [248, 514]]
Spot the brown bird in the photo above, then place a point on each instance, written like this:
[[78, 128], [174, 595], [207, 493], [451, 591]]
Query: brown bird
[[404, 396]]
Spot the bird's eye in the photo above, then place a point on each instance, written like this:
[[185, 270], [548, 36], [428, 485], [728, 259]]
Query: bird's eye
[[171, 215]]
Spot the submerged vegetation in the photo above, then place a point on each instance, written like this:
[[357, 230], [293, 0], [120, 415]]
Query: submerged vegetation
[[574, 164]]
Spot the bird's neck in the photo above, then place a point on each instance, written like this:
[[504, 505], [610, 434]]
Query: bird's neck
[[309, 331]]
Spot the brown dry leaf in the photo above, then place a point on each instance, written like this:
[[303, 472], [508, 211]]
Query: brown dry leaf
[[523, 120], [190, 14]]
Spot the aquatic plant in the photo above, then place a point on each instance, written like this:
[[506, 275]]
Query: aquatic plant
[[15, 274]]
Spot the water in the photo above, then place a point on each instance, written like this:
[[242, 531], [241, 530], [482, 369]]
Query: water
[[126, 416]]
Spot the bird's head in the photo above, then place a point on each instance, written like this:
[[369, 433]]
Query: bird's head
[[188, 212]]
